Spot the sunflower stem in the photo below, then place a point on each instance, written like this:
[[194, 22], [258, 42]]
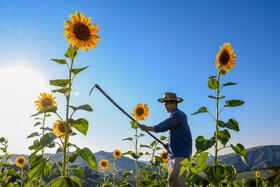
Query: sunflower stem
[[217, 118], [43, 133], [136, 152], [65, 151]]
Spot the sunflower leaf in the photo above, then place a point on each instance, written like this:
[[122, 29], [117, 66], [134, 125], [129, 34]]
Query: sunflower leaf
[[85, 107], [71, 53], [36, 167], [223, 137], [78, 171], [200, 110], [33, 135], [88, 156], [60, 82], [81, 125], [239, 149], [45, 110], [38, 123], [47, 168], [212, 97], [73, 157], [229, 84], [233, 103], [213, 84], [47, 139], [78, 70], [129, 138], [223, 72], [203, 144], [63, 181], [60, 61], [134, 124], [62, 90]]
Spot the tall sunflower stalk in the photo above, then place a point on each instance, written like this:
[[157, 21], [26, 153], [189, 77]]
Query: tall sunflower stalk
[[81, 34], [217, 174], [140, 112]]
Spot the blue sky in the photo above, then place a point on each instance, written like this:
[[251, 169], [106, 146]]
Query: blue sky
[[148, 48]]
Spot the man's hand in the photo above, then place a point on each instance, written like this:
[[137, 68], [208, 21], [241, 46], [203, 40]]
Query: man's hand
[[145, 128]]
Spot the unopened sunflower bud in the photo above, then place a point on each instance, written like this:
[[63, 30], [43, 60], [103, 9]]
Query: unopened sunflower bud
[[2, 139]]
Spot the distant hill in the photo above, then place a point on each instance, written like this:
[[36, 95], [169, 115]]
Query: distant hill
[[257, 157]]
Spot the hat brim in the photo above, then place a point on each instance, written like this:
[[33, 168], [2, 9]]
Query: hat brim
[[178, 99]]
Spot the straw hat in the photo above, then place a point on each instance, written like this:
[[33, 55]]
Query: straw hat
[[169, 96]]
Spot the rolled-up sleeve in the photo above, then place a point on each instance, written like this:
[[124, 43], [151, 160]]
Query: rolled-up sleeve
[[169, 123]]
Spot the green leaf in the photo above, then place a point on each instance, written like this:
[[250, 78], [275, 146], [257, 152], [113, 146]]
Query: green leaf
[[215, 174], [13, 172], [38, 123], [231, 172], [60, 61], [203, 144], [236, 184], [200, 110], [33, 135], [78, 70], [47, 168], [221, 124], [36, 144], [71, 52], [61, 90], [87, 156], [36, 167], [79, 172], [125, 174], [153, 143], [145, 146], [239, 149], [212, 97], [59, 150], [213, 84], [223, 72], [134, 124], [159, 159], [163, 138], [77, 180], [141, 135], [233, 103], [73, 158], [63, 182], [82, 107], [201, 159], [223, 137], [232, 124], [229, 84], [81, 125], [52, 109], [60, 82], [183, 170], [129, 138], [47, 139]]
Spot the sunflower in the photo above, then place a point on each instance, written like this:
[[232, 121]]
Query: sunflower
[[20, 161], [103, 185], [225, 58], [169, 169], [164, 156], [104, 164], [117, 153], [140, 112], [2, 139], [165, 162], [258, 174], [44, 101], [59, 129], [80, 32]]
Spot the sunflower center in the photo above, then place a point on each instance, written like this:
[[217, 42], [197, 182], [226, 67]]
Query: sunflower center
[[164, 156], [81, 31], [224, 57], [20, 161], [117, 153], [104, 164], [46, 102], [61, 128], [139, 111]]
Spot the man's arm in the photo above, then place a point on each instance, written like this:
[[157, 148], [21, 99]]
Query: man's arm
[[146, 128]]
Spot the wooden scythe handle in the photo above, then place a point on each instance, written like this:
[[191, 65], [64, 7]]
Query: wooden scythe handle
[[130, 117]]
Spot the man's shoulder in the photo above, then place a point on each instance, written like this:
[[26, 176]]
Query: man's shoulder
[[178, 112]]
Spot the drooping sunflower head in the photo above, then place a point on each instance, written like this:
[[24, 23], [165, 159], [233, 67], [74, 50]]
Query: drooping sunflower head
[[164, 156], [140, 112], [80, 32], [104, 164], [225, 59], [59, 128], [117, 153], [20, 161], [258, 174], [45, 100]]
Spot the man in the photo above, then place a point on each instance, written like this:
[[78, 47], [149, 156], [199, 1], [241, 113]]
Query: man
[[179, 144]]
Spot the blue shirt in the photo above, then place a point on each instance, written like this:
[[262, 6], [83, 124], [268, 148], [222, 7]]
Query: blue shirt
[[180, 139]]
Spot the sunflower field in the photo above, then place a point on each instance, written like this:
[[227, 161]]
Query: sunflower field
[[82, 35]]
